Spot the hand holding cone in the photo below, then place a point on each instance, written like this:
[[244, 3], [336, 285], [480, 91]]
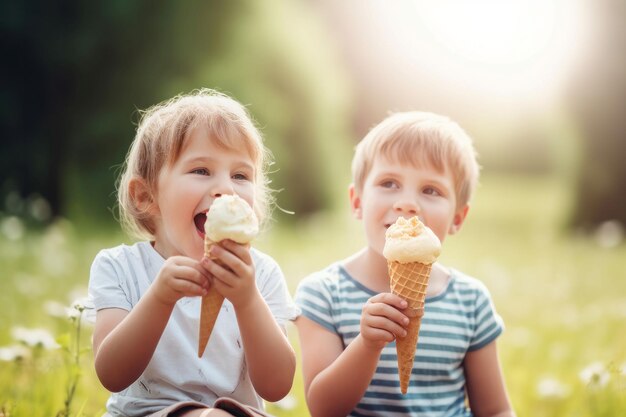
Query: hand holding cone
[[410, 250]]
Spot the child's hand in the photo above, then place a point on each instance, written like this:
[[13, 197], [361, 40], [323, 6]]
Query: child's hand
[[180, 277], [382, 320], [232, 271]]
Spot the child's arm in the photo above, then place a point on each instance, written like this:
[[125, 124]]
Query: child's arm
[[336, 379], [123, 342], [270, 358], [485, 384]]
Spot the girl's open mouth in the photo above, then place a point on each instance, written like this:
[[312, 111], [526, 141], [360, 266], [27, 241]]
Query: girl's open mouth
[[199, 220]]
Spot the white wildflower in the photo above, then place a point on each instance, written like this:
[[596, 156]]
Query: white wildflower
[[609, 234], [552, 388], [12, 228], [595, 375], [35, 337], [14, 352], [82, 303], [83, 307]]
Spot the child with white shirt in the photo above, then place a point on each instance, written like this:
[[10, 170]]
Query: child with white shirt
[[187, 152]]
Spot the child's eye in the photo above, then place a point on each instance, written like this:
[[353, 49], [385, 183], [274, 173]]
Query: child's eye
[[200, 171], [241, 176], [431, 191], [389, 184]]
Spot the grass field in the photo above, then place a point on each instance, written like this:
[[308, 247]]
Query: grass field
[[562, 297]]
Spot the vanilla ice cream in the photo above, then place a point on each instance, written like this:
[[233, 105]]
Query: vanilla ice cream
[[411, 241], [231, 217]]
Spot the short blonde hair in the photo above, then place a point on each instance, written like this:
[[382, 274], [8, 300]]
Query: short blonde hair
[[161, 135], [420, 138]]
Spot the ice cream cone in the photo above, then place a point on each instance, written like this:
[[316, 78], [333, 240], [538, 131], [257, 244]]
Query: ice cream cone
[[230, 217], [409, 281], [211, 306]]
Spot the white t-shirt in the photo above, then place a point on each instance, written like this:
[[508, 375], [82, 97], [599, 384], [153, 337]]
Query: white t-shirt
[[120, 276]]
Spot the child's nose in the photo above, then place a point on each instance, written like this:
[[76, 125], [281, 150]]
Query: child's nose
[[221, 187], [407, 205]]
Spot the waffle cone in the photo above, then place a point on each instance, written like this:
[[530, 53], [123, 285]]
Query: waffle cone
[[409, 281], [211, 306]]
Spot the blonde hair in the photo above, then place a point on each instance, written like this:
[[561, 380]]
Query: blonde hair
[[420, 139], [161, 134]]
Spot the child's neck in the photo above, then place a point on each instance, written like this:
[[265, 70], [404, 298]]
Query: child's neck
[[370, 269]]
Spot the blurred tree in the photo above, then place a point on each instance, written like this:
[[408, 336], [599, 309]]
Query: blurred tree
[[79, 71], [598, 97]]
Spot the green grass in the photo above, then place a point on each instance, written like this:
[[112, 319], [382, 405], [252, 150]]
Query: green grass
[[562, 296]]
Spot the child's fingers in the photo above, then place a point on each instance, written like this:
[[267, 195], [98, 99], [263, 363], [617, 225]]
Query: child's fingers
[[390, 306], [187, 287], [221, 276], [390, 299], [377, 324], [378, 335], [231, 260], [241, 251], [388, 313], [186, 269]]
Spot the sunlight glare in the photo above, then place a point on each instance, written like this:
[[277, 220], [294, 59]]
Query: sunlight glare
[[492, 31], [508, 50]]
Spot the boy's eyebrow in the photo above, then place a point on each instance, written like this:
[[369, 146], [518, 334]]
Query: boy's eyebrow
[[440, 180], [386, 174]]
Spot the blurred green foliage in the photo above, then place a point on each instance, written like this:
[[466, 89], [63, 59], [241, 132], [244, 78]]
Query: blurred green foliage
[[79, 72], [597, 98]]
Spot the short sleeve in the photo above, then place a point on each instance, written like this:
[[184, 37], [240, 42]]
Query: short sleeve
[[273, 288], [105, 286], [315, 301], [488, 324]]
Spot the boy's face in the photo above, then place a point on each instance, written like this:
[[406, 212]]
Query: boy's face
[[187, 189], [393, 190]]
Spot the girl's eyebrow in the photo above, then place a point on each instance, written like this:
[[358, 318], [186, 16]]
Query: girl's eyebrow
[[207, 159], [198, 159]]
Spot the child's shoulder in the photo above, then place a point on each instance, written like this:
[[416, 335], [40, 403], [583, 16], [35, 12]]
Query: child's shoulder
[[125, 252], [259, 256], [467, 284], [329, 276], [264, 265], [334, 283]]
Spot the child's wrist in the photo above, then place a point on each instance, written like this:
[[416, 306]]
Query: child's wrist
[[250, 304], [165, 302], [372, 347]]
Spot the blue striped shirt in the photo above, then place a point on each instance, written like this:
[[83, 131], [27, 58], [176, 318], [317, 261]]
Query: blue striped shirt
[[460, 319]]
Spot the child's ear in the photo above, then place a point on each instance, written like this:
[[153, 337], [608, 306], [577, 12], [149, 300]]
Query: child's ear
[[141, 195], [355, 202], [459, 218]]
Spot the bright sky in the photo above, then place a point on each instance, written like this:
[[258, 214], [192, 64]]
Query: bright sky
[[521, 50]]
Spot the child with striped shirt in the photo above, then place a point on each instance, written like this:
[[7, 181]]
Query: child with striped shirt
[[411, 164]]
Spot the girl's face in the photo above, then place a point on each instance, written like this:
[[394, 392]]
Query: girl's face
[[186, 190], [393, 190]]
